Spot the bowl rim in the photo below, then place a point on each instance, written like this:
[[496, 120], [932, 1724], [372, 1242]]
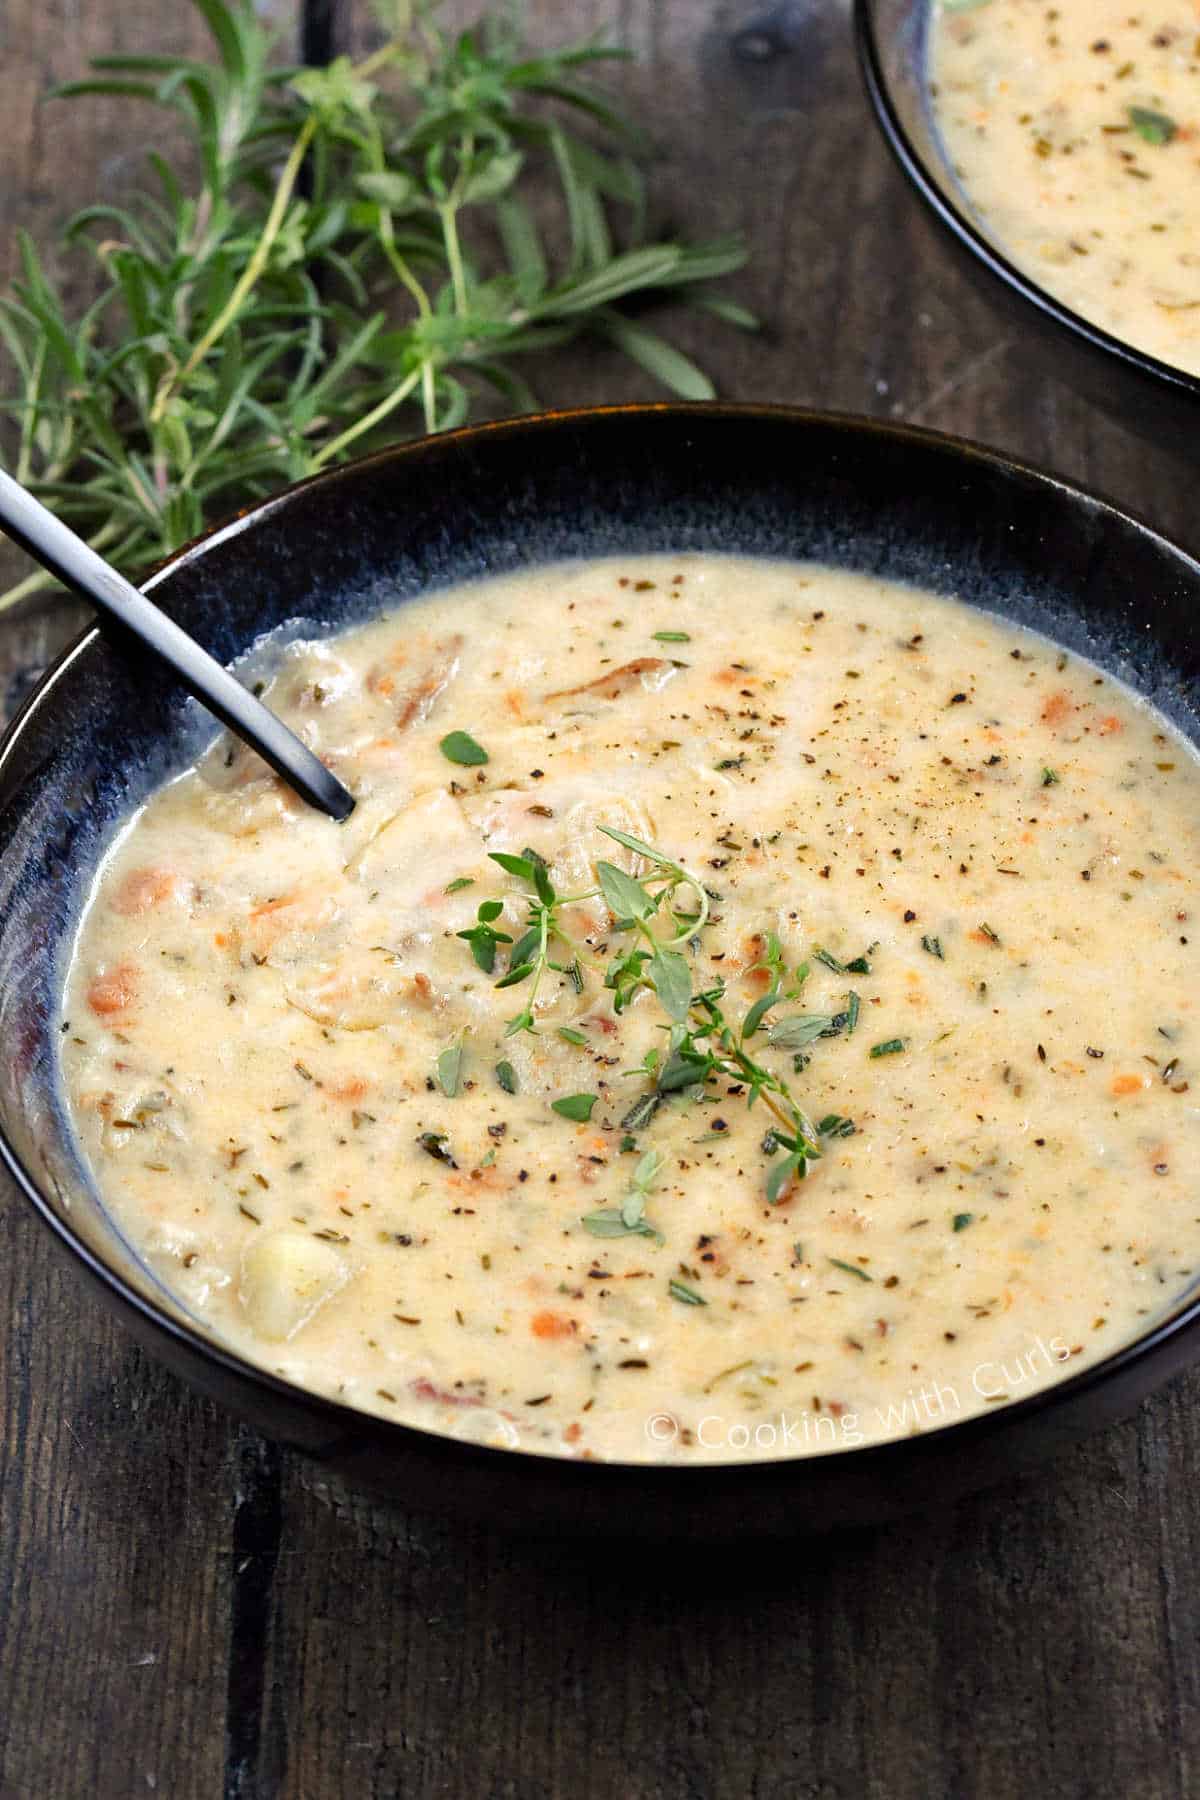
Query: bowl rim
[[349, 1423], [958, 221]]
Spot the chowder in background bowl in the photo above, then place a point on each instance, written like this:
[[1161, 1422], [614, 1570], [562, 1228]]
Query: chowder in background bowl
[[1076, 322], [1075, 132]]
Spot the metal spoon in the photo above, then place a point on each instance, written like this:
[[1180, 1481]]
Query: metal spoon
[[76, 564]]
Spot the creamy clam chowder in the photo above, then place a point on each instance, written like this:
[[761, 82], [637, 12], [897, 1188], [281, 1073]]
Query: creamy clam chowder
[[1075, 130], [750, 1011]]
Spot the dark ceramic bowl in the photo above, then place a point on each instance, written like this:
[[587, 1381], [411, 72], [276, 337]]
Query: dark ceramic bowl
[[102, 729], [1150, 396]]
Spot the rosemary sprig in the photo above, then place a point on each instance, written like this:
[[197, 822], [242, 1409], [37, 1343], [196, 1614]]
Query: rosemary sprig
[[356, 259]]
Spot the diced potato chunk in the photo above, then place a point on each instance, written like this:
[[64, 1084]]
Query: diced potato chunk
[[286, 1276]]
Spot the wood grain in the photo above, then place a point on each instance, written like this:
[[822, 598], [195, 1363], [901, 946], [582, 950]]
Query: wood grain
[[184, 1611]]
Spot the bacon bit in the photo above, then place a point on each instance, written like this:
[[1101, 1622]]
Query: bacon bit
[[551, 1326], [425, 1390], [422, 989], [1057, 708], [573, 1433], [113, 992], [144, 888], [616, 681], [1109, 724], [1123, 1085], [421, 698]]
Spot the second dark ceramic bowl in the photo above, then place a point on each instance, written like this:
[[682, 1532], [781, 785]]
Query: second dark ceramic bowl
[[1161, 402], [102, 729]]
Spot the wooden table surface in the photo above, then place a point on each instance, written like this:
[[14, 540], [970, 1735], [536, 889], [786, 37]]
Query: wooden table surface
[[182, 1612]]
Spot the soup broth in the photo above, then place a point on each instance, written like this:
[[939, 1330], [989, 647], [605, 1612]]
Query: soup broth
[[750, 1012]]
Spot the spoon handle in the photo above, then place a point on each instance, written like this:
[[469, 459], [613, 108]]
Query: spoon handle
[[77, 565]]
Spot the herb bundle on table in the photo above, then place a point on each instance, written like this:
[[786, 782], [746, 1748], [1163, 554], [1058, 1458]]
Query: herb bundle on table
[[355, 259]]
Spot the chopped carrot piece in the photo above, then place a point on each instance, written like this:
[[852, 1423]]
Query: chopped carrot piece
[[113, 992], [144, 888], [550, 1325], [352, 1088], [1057, 707], [273, 906]]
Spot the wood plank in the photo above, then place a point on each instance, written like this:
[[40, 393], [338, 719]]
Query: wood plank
[[1038, 1638], [118, 1504]]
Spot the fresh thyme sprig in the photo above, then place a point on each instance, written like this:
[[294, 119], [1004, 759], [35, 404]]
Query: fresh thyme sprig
[[357, 259], [530, 956], [702, 1045]]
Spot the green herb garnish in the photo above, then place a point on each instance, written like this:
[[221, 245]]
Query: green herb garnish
[[679, 1291], [483, 938], [629, 1219], [1153, 127], [449, 1070], [608, 1223], [803, 1028], [962, 1220], [437, 1145], [570, 1035], [506, 1075], [673, 637], [934, 946], [460, 747], [575, 1106], [889, 1047], [851, 1269], [859, 966], [1049, 778], [702, 1045], [456, 886]]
